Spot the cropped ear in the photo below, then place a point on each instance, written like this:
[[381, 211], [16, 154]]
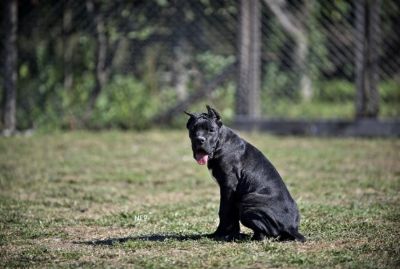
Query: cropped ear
[[212, 113], [189, 114], [191, 119]]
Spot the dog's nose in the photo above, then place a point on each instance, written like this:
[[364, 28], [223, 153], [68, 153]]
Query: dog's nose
[[200, 139]]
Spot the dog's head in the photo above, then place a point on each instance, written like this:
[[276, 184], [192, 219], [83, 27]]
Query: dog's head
[[204, 129]]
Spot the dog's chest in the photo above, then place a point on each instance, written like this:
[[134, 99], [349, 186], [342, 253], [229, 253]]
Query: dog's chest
[[218, 175], [211, 173]]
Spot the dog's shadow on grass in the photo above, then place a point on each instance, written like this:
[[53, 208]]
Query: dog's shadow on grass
[[155, 238]]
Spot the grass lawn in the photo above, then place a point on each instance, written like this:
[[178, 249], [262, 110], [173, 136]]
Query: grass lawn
[[138, 199]]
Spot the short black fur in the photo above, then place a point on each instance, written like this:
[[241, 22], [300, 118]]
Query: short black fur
[[251, 189]]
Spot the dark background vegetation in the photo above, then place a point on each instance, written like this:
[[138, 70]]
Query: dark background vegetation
[[103, 64]]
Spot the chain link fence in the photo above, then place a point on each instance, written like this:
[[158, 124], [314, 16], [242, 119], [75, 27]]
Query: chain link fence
[[311, 59], [125, 63]]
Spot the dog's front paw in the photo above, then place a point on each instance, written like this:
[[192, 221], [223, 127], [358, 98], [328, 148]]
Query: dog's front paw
[[226, 236]]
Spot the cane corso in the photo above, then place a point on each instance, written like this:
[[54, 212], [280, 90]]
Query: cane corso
[[251, 189]]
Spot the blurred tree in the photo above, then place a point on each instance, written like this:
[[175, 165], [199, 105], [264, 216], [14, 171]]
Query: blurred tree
[[10, 64], [102, 69], [68, 44], [164, 53], [295, 28], [367, 37], [249, 56]]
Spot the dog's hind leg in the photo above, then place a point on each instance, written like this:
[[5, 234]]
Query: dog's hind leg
[[261, 223], [258, 236]]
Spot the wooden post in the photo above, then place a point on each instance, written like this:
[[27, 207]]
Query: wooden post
[[367, 53], [249, 56], [9, 66]]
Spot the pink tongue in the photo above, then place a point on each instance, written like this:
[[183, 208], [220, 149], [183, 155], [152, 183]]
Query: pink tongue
[[201, 158]]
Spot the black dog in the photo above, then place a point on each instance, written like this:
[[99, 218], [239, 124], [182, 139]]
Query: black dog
[[251, 189]]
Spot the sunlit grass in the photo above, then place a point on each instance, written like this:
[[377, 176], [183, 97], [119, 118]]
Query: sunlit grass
[[86, 199]]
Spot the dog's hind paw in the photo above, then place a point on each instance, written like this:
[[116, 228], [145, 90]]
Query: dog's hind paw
[[229, 237], [258, 237]]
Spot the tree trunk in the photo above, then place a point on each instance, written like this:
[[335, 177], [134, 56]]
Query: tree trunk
[[293, 27], [101, 72], [10, 63], [67, 45], [249, 45], [180, 70], [367, 46]]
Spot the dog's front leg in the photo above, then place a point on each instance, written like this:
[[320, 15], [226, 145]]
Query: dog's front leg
[[229, 226]]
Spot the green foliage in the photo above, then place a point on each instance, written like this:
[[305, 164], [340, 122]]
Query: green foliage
[[141, 38], [390, 95], [389, 91], [277, 85], [308, 110], [318, 55], [212, 63], [125, 103], [332, 99], [335, 91], [344, 90]]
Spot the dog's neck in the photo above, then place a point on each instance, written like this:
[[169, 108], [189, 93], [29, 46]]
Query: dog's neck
[[226, 137]]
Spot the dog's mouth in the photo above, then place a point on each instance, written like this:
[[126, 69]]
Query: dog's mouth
[[201, 157]]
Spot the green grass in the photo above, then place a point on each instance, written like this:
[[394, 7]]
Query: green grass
[[325, 110], [86, 199]]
